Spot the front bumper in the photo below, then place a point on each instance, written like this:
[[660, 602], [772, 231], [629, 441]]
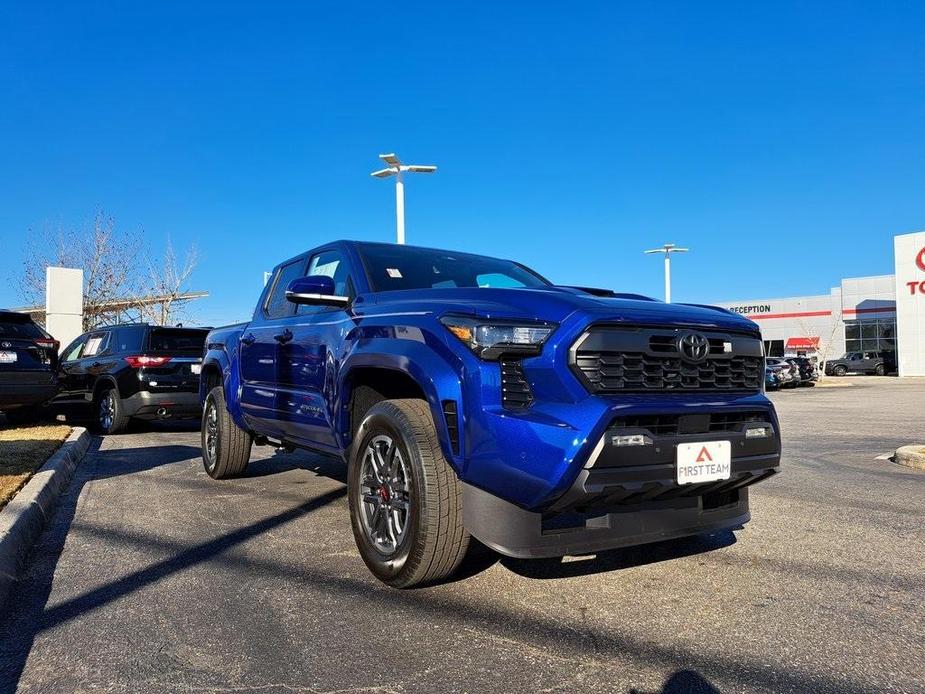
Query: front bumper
[[147, 405], [515, 532], [628, 495]]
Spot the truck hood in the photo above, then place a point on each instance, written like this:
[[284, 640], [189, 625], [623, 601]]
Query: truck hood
[[554, 304]]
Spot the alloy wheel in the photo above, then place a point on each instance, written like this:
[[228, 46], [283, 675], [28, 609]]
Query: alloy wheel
[[211, 434], [385, 492], [107, 411]]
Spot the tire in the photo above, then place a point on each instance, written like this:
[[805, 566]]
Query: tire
[[839, 370], [880, 370], [226, 447], [109, 412], [406, 505]]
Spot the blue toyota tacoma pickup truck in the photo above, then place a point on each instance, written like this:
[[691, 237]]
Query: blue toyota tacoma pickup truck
[[469, 396]]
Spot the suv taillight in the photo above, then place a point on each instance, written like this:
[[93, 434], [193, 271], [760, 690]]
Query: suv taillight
[[145, 360], [46, 343]]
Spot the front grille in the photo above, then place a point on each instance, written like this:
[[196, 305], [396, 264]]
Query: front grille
[[657, 424], [674, 425], [607, 496], [733, 421], [614, 360], [515, 389]]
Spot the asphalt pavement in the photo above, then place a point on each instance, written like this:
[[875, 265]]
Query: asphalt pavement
[[153, 578]]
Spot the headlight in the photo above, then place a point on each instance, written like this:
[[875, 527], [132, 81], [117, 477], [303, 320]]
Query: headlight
[[489, 339]]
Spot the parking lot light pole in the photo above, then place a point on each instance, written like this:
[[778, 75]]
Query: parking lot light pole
[[396, 168], [667, 249]]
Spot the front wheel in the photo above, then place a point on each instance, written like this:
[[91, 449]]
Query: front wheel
[[226, 448], [880, 370], [840, 370], [405, 499]]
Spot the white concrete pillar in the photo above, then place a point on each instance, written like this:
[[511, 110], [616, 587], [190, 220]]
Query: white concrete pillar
[[64, 303], [909, 250]]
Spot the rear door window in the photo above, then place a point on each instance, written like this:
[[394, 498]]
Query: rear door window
[[126, 340], [177, 341]]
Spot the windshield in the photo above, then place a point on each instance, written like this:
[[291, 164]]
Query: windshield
[[390, 267]]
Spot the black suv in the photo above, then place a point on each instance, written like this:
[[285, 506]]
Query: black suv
[[116, 373], [878, 363], [28, 361]]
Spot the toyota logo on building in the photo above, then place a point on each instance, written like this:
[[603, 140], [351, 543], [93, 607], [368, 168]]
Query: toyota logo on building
[[920, 260], [694, 346]]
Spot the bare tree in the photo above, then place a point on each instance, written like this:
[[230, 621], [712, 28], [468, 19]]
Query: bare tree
[[822, 351], [107, 255], [121, 280], [827, 345], [167, 282]]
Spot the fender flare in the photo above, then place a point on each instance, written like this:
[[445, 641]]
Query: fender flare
[[227, 365], [104, 380], [437, 379]]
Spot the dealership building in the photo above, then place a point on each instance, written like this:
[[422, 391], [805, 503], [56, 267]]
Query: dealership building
[[862, 314]]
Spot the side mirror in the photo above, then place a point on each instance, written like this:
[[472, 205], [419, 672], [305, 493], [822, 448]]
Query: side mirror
[[316, 290]]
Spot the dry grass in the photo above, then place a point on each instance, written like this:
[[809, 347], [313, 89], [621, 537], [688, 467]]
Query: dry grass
[[23, 451]]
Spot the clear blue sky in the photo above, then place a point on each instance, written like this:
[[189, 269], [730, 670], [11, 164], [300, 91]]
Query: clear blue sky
[[783, 142]]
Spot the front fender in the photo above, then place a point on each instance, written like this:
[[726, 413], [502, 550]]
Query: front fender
[[429, 363]]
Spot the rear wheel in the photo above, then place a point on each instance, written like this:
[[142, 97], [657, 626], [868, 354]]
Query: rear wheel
[[110, 413], [405, 499], [839, 370], [880, 370], [226, 447]]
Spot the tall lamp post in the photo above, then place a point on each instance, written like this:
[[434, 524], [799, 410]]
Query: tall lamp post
[[396, 168], [668, 249]]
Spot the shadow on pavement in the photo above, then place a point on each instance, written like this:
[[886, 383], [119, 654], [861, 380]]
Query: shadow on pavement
[[617, 559], [31, 616], [425, 605], [128, 461], [144, 426], [684, 682], [28, 616], [281, 461]]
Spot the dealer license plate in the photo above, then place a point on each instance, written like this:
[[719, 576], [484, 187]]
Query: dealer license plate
[[7, 357], [195, 369], [704, 462]]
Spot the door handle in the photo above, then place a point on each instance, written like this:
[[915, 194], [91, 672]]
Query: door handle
[[284, 336], [96, 365], [249, 339]]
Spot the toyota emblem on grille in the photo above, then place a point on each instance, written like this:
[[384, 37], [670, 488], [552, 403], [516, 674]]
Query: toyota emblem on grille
[[5, 345], [694, 346]]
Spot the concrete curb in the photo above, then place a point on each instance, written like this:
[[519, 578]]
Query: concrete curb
[[22, 520], [911, 456]]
